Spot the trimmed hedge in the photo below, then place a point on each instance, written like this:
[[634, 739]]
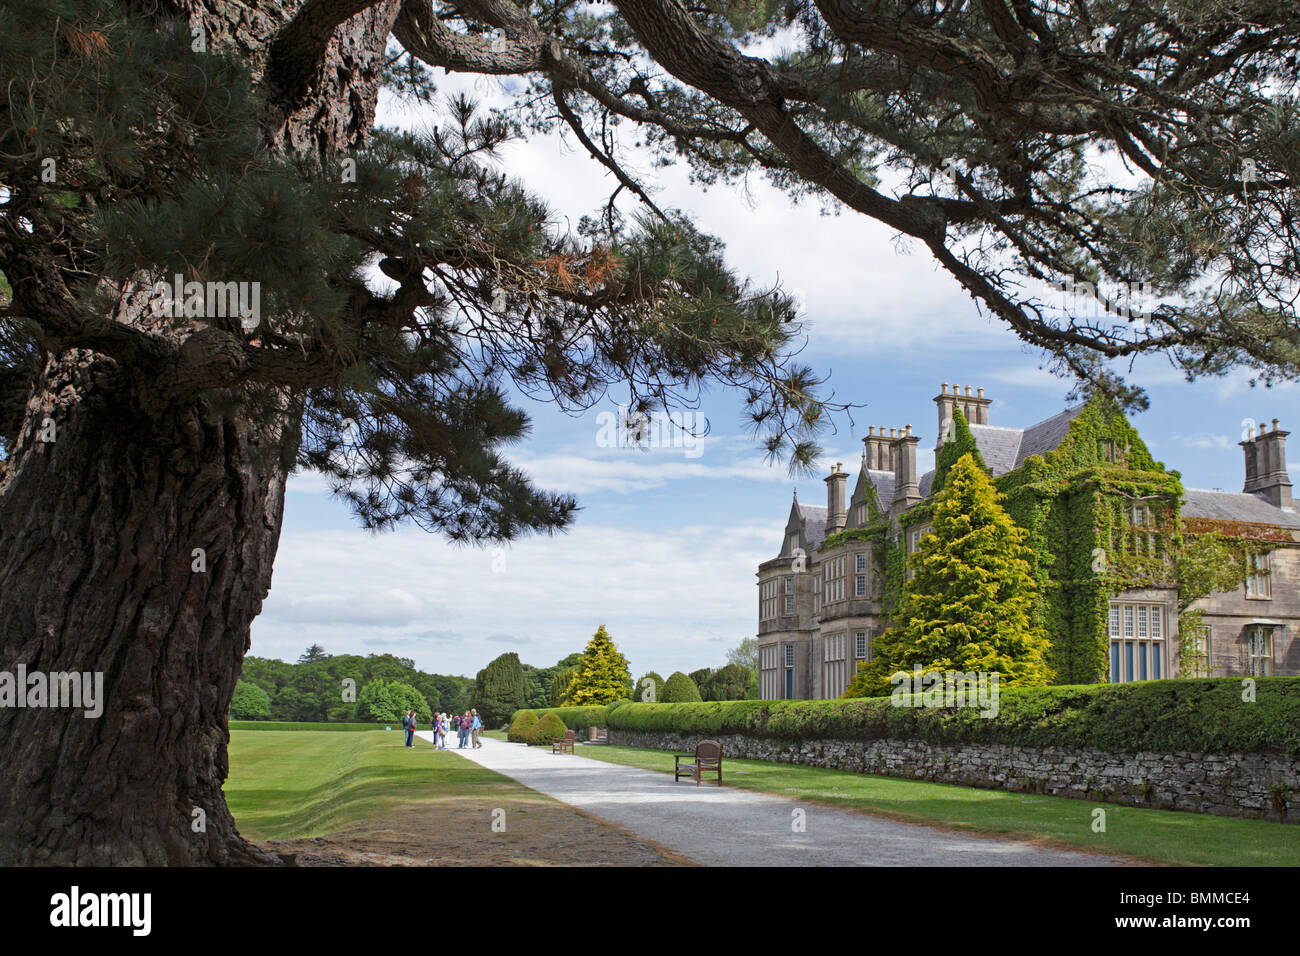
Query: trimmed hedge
[[525, 721], [547, 728], [681, 689], [1202, 716], [576, 718]]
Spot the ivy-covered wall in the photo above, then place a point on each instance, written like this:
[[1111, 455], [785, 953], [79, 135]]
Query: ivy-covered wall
[[1076, 505]]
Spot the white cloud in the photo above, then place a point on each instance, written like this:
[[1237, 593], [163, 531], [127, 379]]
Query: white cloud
[[854, 276], [672, 597], [1204, 440]]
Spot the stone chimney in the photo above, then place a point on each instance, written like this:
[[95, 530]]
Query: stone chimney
[[836, 516], [907, 491], [1266, 465], [974, 407], [878, 449]]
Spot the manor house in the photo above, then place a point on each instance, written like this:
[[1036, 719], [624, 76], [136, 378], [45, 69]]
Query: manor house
[[1109, 596]]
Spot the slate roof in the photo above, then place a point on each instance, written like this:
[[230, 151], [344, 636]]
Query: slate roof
[[998, 445], [1046, 435], [1005, 449], [884, 482], [814, 522], [1236, 506]]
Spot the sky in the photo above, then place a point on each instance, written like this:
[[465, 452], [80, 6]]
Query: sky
[[665, 547]]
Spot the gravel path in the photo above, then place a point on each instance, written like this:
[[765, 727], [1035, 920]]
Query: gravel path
[[724, 826]]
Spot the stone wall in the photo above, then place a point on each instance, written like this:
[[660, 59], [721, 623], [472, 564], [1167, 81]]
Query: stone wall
[[1261, 785]]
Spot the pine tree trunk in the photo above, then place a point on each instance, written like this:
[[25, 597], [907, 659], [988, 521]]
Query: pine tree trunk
[[99, 528], [99, 573]]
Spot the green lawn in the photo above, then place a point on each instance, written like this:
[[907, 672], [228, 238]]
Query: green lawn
[[1159, 836], [288, 784]]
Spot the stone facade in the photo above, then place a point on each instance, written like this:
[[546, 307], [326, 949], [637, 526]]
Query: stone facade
[[821, 607], [1259, 785]]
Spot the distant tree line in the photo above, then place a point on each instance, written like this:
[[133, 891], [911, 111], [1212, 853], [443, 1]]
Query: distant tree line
[[381, 687], [332, 687], [340, 687]]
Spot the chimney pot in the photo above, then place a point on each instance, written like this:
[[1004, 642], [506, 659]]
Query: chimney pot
[[1275, 424], [871, 430], [943, 389], [980, 391]]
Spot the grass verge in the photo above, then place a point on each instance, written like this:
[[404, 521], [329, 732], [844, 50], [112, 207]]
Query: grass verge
[[1157, 836], [365, 799]]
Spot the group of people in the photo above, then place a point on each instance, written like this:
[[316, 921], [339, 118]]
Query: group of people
[[467, 728]]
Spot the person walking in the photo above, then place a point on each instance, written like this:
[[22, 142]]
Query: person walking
[[408, 724], [440, 731], [475, 728], [464, 731]]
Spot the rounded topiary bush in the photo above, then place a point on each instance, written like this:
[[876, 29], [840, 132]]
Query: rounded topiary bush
[[524, 721], [649, 689], [545, 730], [680, 689]]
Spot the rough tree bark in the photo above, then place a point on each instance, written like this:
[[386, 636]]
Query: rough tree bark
[[99, 529]]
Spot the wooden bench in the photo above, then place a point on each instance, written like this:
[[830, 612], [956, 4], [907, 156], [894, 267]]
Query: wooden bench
[[597, 735], [563, 744], [707, 759]]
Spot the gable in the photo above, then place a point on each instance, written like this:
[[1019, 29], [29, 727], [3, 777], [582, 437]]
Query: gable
[[806, 521], [1095, 426]]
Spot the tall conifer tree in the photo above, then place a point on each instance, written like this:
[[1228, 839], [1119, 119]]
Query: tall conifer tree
[[499, 690], [603, 675], [968, 606]]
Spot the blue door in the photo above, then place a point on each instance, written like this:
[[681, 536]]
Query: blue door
[[789, 684]]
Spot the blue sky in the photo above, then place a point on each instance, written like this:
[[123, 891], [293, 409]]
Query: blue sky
[[665, 547]]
